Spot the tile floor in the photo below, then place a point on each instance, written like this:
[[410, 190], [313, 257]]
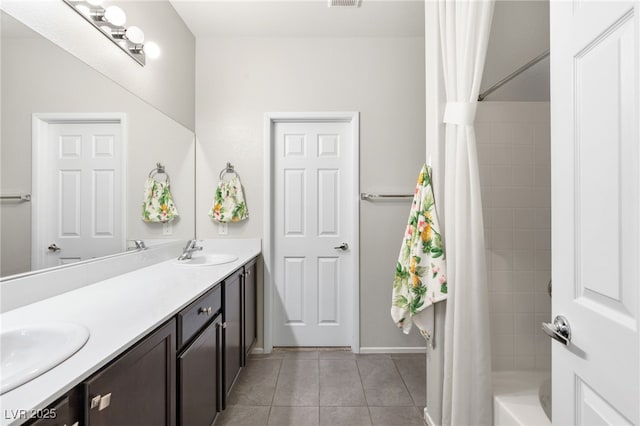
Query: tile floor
[[330, 388]]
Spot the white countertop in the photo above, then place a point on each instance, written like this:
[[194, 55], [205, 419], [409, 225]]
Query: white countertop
[[118, 312]]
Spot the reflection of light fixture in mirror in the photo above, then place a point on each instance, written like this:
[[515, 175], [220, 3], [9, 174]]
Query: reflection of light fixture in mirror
[[134, 34], [152, 50], [110, 21], [116, 16]]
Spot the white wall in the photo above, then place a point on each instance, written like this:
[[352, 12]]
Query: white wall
[[38, 76], [519, 33], [166, 83], [514, 158], [239, 79]]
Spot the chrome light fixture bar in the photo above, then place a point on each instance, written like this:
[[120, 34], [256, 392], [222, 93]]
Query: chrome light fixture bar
[[110, 22]]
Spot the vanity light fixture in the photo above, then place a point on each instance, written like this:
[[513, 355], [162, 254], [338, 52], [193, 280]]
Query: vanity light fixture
[[110, 20]]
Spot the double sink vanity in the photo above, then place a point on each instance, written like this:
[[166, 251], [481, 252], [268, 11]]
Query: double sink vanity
[[160, 344]]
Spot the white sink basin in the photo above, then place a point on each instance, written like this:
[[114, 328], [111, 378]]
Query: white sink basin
[[208, 260], [29, 351]]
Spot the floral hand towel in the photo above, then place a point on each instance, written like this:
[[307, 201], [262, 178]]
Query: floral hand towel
[[228, 202], [420, 278], [158, 204]]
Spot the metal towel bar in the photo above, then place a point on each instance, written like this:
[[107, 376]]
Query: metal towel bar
[[21, 197], [368, 196]]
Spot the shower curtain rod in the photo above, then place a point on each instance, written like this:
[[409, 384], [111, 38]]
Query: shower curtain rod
[[513, 75]]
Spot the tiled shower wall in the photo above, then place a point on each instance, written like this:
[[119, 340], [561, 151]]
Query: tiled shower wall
[[514, 160]]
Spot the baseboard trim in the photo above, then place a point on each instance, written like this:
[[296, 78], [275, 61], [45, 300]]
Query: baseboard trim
[[428, 419], [392, 350], [372, 350]]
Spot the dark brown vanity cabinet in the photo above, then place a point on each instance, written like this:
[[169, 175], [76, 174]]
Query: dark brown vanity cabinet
[[249, 311], [138, 388], [65, 412], [180, 374], [200, 360], [232, 336]]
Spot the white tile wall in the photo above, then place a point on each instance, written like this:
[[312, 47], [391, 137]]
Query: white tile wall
[[514, 161]]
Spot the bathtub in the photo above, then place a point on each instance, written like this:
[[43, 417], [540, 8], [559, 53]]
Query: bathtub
[[519, 396]]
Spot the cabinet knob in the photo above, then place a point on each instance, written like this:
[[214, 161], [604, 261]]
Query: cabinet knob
[[224, 324], [206, 311]]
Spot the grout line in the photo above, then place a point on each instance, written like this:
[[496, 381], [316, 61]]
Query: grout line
[[405, 384], [275, 389], [362, 384]]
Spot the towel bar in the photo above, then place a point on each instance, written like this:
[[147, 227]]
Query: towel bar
[[368, 196], [21, 197]]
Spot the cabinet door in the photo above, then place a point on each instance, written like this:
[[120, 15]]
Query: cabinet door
[[232, 329], [199, 378], [57, 414], [249, 302], [139, 387], [65, 412]]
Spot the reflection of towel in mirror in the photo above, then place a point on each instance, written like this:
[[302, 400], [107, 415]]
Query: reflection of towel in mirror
[[228, 203], [420, 278], [158, 204]]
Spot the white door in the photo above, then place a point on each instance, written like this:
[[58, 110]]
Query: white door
[[595, 157], [80, 193], [313, 216]]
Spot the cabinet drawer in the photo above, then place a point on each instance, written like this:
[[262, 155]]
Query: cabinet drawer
[[198, 314]]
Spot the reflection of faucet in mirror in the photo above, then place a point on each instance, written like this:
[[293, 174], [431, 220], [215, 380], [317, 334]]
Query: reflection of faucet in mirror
[[187, 252]]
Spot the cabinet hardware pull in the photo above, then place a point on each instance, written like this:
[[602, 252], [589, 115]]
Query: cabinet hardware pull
[[100, 401], [95, 401], [105, 401]]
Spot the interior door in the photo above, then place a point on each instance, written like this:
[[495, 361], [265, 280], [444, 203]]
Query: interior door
[[313, 213], [81, 193], [595, 191]]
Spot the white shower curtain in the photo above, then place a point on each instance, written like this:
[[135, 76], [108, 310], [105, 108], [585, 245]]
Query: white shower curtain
[[464, 30]]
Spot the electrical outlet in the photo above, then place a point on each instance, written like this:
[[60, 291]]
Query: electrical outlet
[[167, 228], [222, 229]]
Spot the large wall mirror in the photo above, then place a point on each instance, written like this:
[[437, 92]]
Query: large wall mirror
[[50, 101]]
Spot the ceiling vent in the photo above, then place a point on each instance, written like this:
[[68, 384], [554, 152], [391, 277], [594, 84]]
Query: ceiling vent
[[344, 3]]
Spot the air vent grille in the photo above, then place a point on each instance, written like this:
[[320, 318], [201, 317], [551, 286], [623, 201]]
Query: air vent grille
[[344, 3]]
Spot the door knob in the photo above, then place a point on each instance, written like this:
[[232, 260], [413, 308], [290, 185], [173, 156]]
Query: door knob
[[343, 247], [559, 330], [54, 248]]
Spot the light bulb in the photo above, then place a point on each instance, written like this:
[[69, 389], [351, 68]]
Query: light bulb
[[135, 34], [94, 2], [152, 50], [115, 15]]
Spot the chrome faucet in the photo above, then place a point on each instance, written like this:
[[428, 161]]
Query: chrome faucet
[[188, 250], [140, 245]]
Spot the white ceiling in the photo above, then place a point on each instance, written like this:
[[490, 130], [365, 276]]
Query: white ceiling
[[301, 18]]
